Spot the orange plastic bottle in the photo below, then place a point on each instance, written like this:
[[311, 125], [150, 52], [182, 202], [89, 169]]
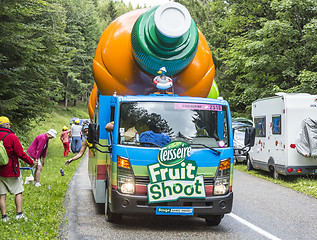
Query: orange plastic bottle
[[137, 44]]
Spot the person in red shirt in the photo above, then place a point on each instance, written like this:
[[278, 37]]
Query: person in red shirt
[[65, 140], [37, 150], [10, 177]]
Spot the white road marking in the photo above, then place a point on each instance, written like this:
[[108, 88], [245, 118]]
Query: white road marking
[[255, 228]]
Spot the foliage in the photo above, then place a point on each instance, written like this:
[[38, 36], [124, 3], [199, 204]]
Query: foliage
[[109, 10], [259, 47], [43, 205], [75, 72], [29, 33], [47, 49]]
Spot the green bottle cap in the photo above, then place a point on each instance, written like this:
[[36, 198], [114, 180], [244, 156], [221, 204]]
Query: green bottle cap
[[164, 36]]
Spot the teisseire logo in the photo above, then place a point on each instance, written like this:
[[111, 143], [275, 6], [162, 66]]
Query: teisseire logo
[[174, 176], [174, 153]]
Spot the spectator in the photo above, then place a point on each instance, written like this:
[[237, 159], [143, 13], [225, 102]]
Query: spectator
[[10, 177], [38, 149], [76, 137], [83, 147], [65, 140]]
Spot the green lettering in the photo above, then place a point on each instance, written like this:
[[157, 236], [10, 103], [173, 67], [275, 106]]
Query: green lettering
[[155, 194], [164, 188], [179, 186], [197, 185], [190, 187]]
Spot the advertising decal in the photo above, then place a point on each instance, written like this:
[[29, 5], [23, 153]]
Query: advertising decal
[[174, 176]]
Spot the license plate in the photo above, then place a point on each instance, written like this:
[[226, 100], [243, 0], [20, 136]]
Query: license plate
[[174, 211]]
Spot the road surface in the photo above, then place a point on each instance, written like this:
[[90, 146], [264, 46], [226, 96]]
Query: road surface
[[261, 210]]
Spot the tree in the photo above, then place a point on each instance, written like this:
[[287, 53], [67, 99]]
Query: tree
[[275, 55], [78, 50], [30, 31]]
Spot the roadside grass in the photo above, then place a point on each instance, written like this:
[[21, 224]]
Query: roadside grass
[[44, 205], [303, 184]]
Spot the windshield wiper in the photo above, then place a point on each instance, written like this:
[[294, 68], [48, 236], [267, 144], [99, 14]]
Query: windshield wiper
[[214, 150]]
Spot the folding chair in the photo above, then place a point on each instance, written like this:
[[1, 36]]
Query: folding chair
[[27, 168]]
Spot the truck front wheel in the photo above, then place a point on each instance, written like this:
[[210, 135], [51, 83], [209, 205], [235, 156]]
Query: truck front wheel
[[213, 220], [111, 216]]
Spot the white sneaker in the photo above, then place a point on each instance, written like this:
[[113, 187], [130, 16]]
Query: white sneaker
[[21, 216], [5, 219], [37, 184]]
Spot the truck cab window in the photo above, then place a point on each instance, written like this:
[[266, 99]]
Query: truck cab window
[[161, 123]]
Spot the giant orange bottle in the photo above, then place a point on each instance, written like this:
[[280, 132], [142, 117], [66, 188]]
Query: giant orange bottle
[[135, 46]]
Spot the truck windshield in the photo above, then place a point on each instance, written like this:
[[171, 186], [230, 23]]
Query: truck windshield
[[154, 124]]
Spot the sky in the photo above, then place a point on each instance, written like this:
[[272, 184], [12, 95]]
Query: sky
[[149, 3]]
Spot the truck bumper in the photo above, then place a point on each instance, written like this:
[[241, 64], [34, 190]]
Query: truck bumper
[[131, 204]]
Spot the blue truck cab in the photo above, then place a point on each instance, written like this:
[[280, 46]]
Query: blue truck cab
[[166, 155]]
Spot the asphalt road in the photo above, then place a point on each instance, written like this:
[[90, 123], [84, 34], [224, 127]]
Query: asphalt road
[[261, 210]]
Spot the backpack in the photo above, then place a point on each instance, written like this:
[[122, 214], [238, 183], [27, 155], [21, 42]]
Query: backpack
[[4, 158]]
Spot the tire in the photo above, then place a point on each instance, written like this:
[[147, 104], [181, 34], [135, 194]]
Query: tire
[[111, 216], [249, 164], [275, 174], [213, 220], [247, 156]]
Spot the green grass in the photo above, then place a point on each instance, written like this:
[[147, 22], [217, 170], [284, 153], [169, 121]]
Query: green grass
[[44, 205], [307, 185]]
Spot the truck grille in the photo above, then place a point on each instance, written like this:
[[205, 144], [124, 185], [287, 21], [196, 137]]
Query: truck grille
[[144, 180]]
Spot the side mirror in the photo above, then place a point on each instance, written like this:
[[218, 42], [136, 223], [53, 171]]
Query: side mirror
[[249, 138], [93, 133], [93, 137]]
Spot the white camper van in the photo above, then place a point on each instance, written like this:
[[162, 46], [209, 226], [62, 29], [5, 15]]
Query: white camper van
[[285, 134]]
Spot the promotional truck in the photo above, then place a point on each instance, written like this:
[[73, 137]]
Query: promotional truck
[[286, 135], [170, 149]]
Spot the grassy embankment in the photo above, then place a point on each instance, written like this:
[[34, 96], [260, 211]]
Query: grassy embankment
[[307, 185], [44, 205]]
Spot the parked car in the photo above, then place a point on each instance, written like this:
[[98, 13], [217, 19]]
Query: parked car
[[239, 126]]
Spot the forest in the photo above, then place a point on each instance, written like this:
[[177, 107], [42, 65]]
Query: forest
[[47, 48]]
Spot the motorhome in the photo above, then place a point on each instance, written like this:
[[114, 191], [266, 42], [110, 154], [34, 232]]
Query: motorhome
[[286, 134]]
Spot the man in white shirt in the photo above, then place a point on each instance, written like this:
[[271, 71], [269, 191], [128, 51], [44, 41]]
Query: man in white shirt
[[76, 137]]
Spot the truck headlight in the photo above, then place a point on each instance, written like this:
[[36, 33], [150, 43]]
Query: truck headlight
[[222, 181], [221, 186], [125, 176], [127, 186]]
